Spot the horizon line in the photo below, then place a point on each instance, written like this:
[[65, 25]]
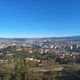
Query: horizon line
[[41, 37]]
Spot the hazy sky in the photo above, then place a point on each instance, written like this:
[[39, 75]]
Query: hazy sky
[[39, 18]]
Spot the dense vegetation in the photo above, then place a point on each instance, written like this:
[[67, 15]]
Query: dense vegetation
[[15, 67]]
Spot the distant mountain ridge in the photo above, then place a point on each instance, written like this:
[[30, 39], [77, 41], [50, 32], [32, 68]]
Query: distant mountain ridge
[[24, 39]]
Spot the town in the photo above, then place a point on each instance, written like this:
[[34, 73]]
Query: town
[[32, 58]]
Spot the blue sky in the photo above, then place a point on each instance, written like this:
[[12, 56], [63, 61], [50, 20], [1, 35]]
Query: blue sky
[[39, 18]]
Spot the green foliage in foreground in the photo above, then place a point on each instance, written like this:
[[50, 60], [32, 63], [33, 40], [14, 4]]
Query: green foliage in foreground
[[15, 68], [25, 72]]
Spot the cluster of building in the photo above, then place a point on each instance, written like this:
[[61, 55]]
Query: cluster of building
[[43, 45]]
